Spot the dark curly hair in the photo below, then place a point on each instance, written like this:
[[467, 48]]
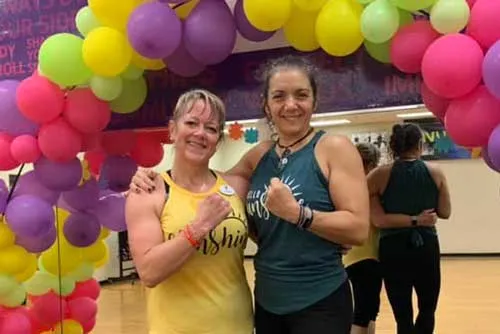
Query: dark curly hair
[[405, 138]]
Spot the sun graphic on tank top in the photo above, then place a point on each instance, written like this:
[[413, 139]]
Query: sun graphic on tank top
[[256, 199]]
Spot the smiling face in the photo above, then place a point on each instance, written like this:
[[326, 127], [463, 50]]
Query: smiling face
[[196, 130], [290, 101]]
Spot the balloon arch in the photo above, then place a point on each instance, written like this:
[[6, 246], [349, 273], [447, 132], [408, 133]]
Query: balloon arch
[[56, 217]]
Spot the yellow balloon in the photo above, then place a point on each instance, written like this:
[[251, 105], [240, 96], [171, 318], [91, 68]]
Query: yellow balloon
[[106, 52], [95, 253], [7, 237], [300, 30], [30, 269], [147, 63], [113, 13], [185, 9], [266, 15], [310, 5], [338, 27], [13, 260], [104, 233], [61, 259], [104, 260], [68, 327]]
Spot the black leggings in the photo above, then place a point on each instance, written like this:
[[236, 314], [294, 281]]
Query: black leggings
[[406, 267], [366, 280], [331, 315]]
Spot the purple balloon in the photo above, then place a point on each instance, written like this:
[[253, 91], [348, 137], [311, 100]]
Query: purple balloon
[[38, 244], [12, 121], [118, 171], [29, 184], [154, 30], [4, 194], [491, 70], [82, 198], [111, 212], [245, 28], [493, 151], [487, 159], [59, 176], [182, 63], [82, 229], [29, 216], [210, 32]]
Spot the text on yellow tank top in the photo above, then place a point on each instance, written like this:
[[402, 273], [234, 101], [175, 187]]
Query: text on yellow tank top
[[210, 293]]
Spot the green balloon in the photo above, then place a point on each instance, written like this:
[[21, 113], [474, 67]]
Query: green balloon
[[379, 21], [413, 5], [133, 96], [450, 16], [7, 284], [405, 18], [15, 298], [41, 283], [86, 21], [364, 2], [132, 72], [105, 88], [61, 61], [65, 287], [83, 273], [380, 52]]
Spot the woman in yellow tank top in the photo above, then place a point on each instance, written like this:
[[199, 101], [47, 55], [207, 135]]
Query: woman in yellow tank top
[[362, 264], [187, 235]]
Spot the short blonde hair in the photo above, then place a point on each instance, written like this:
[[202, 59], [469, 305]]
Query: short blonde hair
[[188, 99]]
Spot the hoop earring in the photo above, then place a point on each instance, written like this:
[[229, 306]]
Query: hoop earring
[[272, 128]]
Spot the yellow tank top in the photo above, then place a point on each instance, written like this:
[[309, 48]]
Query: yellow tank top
[[369, 250], [210, 293]]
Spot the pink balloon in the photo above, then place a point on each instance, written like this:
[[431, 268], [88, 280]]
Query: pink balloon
[[435, 103], [82, 309], [25, 149], [89, 325], [15, 322], [470, 120], [452, 65], [484, 22], [48, 308], [88, 289], [471, 3], [59, 141], [39, 100], [85, 112], [7, 161], [409, 44]]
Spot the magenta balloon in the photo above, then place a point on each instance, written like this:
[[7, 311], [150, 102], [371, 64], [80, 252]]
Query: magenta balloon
[[38, 244], [210, 32], [59, 176], [182, 63], [84, 197], [117, 171], [81, 229], [111, 212], [29, 184], [12, 121], [245, 28], [154, 30], [29, 216]]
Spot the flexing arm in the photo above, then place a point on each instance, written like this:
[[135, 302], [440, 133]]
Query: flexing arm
[[349, 224], [154, 258]]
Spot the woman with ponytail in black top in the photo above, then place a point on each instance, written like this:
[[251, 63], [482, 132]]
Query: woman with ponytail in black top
[[407, 196]]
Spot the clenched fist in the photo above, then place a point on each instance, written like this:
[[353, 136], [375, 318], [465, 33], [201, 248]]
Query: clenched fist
[[281, 202], [211, 212]]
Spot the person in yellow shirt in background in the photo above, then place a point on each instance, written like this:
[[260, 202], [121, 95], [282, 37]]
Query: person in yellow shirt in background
[[362, 264], [187, 234]]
